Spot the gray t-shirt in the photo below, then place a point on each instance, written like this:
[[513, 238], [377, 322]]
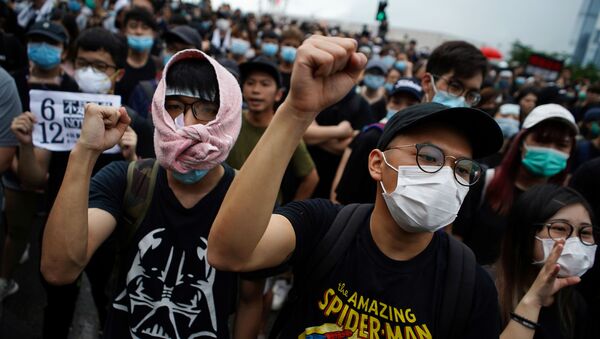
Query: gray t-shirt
[[10, 107]]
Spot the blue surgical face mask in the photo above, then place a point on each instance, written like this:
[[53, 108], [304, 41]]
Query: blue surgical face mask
[[373, 81], [269, 49], [190, 177], [74, 6], [543, 161], [45, 56], [520, 81], [400, 65], [509, 127], [445, 98], [239, 46], [390, 114], [166, 57], [389, 60], [140, 43], [388, 87], [288, 54]]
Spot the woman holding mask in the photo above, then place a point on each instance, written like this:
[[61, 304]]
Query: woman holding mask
[[550, 235], [540, 153]]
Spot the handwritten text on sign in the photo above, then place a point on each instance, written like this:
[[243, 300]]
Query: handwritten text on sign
[[60, 117]]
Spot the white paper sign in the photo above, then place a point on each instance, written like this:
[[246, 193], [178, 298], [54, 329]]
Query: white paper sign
[[60, 117]]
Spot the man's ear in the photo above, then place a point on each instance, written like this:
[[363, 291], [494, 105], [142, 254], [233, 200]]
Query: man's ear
[[279, 94], [427, 86], [120, 74], [376, 164]]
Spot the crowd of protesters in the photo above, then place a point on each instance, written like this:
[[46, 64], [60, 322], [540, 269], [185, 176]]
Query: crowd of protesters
[[358, 186]]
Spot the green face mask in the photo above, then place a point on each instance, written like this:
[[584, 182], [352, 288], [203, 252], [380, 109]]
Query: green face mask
[[543, 161], [595, 130], [91, 4]]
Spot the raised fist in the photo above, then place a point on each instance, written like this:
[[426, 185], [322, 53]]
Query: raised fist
[[325, 71], [22, 127], [103, 127]]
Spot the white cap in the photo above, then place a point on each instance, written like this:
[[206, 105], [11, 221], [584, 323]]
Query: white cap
[[512, 109], [506, 73], [549, 111]]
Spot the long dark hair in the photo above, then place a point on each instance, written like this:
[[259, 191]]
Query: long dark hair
[[515, 271], [501, 191]]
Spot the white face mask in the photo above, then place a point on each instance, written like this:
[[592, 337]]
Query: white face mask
[[424, 202], [575, 259], [92, 81]]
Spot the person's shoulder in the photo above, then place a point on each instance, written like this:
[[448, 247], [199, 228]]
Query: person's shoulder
[[113, 169], [309, 206]]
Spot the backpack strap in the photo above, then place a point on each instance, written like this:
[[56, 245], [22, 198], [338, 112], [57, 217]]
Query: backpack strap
[[458, 290], [327, 252], [141, 181]]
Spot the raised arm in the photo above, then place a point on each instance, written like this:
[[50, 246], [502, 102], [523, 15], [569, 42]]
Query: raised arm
[[33, 161], [73, 232], [245, 236], [540, 294], [316, 134]]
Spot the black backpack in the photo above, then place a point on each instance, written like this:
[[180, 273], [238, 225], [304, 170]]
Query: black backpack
[[455, 309]]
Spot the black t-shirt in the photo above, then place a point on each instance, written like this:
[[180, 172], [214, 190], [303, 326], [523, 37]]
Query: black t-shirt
[[356, 184], [587, 182], [584, 151], [481, 228], [132, 77], [67, 84], [367, 291], [379, 109], [170, 290], [352, 108], [550, 320]]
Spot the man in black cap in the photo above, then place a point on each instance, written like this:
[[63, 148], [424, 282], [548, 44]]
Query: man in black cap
[[368, 271], [262, 89], [47, 44]]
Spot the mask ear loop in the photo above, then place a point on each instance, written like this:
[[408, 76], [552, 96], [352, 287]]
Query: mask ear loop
[[390, 166]]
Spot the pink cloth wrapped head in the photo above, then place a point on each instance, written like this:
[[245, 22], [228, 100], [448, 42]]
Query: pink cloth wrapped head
[[197, 147]]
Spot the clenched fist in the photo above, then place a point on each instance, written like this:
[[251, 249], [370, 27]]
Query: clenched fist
[[22, 127], [325, 70], [103, 127]]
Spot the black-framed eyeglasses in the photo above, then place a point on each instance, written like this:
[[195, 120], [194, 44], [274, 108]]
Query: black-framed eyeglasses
[[457, 89], [431, 159], [97, 65], [562, 230], [201, 109]]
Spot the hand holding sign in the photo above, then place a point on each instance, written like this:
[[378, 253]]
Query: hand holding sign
[[103, 127], [22, 127]]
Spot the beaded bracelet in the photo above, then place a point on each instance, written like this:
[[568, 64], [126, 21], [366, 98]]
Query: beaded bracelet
[[523, 321]]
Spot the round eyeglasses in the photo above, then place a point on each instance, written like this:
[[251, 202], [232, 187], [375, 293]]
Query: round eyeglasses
[[457, 89], [562, 230], [431, 159]]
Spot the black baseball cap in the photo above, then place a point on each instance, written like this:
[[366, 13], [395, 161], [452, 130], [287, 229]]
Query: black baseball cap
[[410, 86], [481, 130], [262, 64], [186, 34], [51, 30]]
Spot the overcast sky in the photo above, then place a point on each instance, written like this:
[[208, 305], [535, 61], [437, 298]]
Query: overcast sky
[[547, 25]]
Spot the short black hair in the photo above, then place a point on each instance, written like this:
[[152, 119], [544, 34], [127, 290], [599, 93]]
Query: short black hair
[[97, 38], [459, 56], [140, 14], [197, 75]]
